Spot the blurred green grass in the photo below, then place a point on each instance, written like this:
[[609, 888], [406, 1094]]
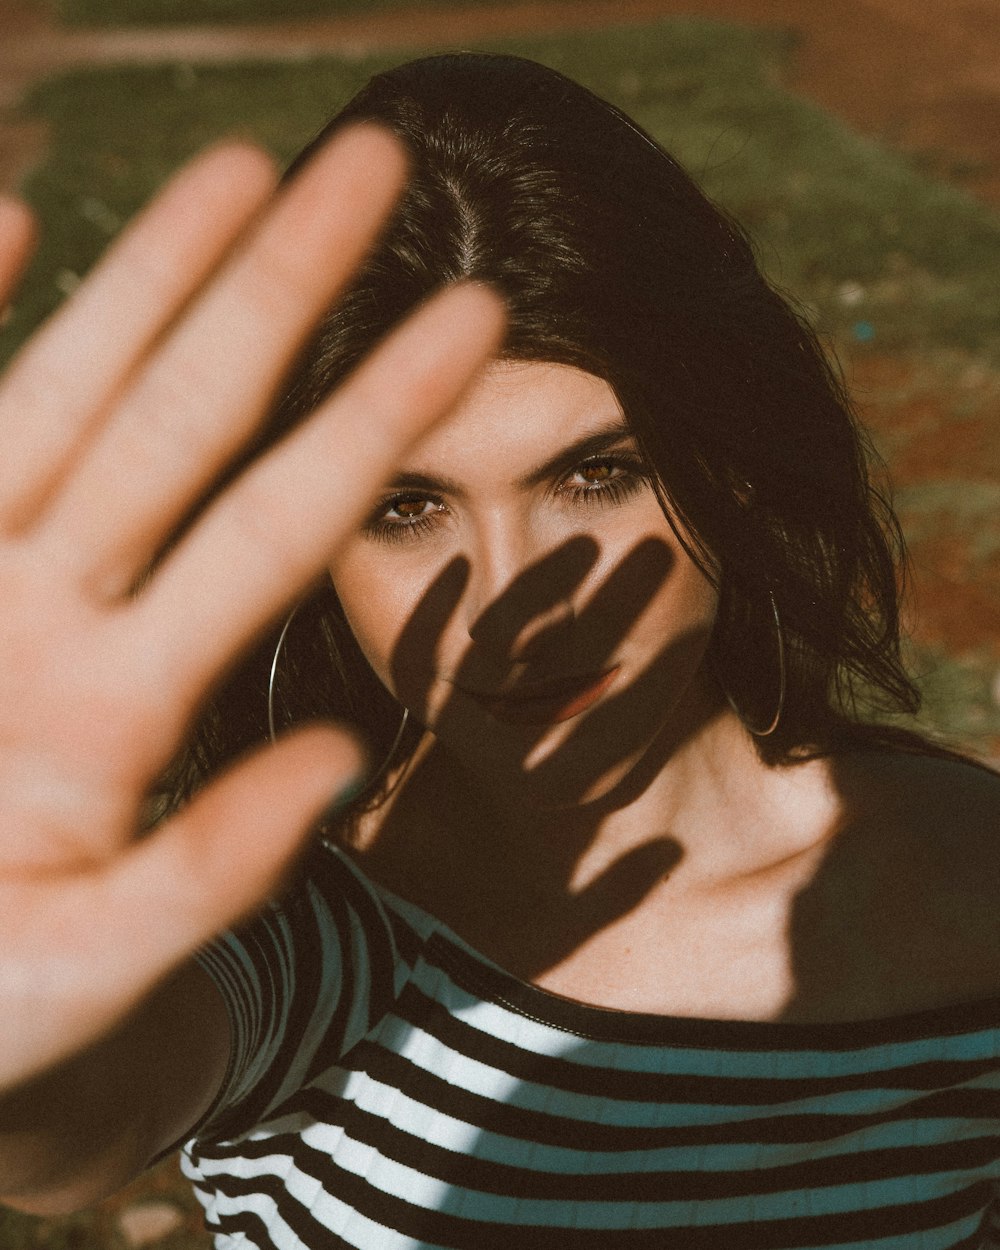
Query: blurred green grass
[[880, 256], [874, 249], [171, 12]]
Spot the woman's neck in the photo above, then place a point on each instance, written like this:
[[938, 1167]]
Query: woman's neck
[[710, 811]]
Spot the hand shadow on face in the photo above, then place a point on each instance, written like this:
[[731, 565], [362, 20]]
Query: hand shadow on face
[[511, 892]]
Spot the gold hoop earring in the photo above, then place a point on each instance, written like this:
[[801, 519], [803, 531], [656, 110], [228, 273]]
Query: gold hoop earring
[[782, 682], [377, 776]]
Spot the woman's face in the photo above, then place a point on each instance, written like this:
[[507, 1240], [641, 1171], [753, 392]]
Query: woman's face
[[520, 590]]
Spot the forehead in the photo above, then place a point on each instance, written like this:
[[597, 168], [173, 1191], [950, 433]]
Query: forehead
[[518, 413]]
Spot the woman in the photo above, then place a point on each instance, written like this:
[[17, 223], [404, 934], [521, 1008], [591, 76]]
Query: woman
[[638, 934]]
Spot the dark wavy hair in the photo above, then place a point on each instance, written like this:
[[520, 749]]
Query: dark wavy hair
[[611, 259]]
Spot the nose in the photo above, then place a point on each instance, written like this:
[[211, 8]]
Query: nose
[[520, 600]]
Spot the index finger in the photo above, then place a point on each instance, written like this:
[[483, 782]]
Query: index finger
[[265, 538]]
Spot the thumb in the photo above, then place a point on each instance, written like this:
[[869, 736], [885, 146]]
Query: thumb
[[85, 949]]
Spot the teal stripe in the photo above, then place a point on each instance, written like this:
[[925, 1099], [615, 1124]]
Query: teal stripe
[[700, 1213], [779, 1064], [718, 1157], [943, 1238], [426, 1052]]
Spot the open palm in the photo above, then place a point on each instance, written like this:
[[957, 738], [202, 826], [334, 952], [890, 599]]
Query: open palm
[[116, 420]]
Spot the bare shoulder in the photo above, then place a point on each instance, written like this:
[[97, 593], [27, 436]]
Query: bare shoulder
[[924, 834], [940, 814], [946, 804], [925, 789]]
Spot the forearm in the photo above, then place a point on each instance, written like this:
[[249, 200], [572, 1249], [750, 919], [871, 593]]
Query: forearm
[[80, 1131]]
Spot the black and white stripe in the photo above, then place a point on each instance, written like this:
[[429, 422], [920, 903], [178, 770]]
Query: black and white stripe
[[392, 1089]]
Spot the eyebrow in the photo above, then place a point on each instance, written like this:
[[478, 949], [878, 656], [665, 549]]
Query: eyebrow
[[606, 438]]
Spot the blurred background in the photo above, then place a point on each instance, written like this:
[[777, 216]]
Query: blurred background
[[857, 140]]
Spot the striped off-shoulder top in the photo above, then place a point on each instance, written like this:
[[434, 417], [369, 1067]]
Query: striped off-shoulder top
[[389, 1087]]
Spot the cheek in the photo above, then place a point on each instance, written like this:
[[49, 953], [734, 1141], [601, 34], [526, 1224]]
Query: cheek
[[684, 613], [400, 612], [695, 599], [684, 601], [376, 605], [667, 646]]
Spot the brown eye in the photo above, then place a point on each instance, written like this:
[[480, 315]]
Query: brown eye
[[609, 480], [596, 474], [402, 517], [601, 471], [410, 509]]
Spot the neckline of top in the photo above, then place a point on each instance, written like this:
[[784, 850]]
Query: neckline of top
[[475, 971]]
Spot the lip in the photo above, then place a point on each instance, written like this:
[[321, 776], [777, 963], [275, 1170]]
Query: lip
[[548, 703]]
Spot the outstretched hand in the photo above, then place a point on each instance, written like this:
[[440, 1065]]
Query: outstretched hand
[[116, 418]]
